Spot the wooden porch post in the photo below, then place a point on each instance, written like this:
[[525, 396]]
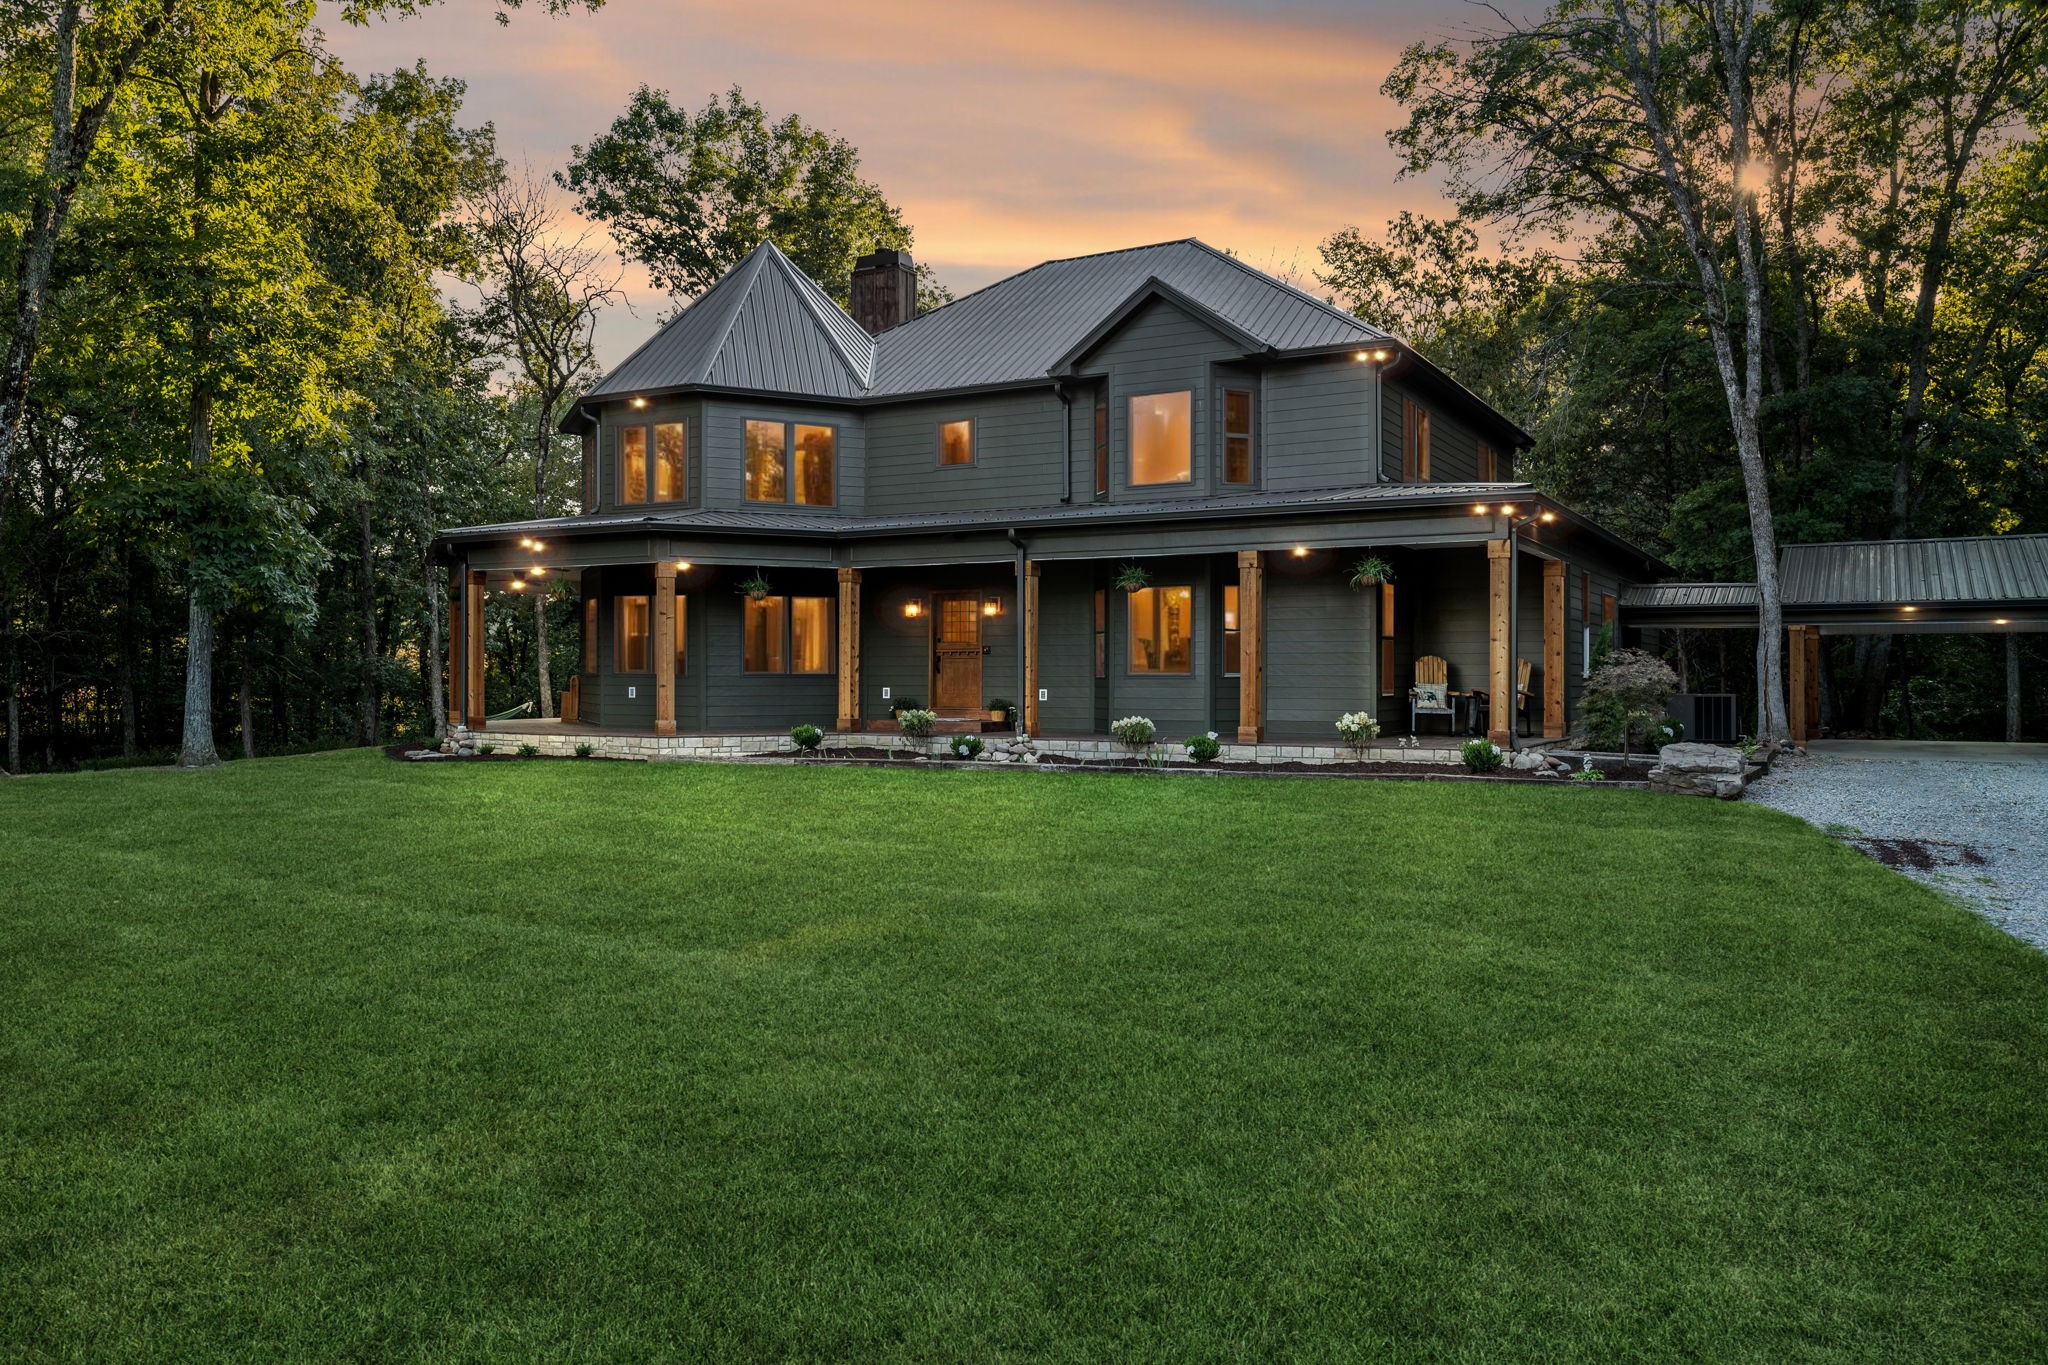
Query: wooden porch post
[[1796, 682], [664, 648], [473, 651], [1813, 680], [1028, 640], [1553, 649], [451, 681], [1251, 647], [849, 649], [1500, 669]]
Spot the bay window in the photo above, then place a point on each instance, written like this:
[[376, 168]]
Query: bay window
[[776, 450]]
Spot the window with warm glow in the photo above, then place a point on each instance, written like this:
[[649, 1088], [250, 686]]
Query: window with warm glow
[[671, 462], [634, 620], [1231, 639], [810, 634], [815, 458], [1162, 437], [956, 442], [590, 635], [767, 465], [1489, 464], [1415, 440], [633, 464], [789, 635], [682, 618], [1101, 633], [1237, 436], [766, 625], [1386, 639], [1162, 630]]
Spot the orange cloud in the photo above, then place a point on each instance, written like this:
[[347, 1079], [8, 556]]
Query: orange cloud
[[1009, 133]]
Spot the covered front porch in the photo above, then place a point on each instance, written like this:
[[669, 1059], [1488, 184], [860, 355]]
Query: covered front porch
[[1053, 635]]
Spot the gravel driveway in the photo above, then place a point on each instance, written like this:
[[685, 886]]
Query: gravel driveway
[[1974, 828]]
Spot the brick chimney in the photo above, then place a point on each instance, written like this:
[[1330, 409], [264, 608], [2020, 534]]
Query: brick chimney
[[884, 290]]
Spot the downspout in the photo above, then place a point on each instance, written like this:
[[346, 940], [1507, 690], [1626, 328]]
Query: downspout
[[1066, 438], [1023, 636]]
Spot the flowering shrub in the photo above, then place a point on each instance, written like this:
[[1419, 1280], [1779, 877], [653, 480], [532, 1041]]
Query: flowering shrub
[[916, 721], [1358, 730], [1481, 755], [1203, 748], [1134, 732], [807, 737], [966, 746], [1625, 698]]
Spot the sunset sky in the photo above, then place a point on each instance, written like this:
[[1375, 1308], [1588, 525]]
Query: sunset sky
[[1008, 133]]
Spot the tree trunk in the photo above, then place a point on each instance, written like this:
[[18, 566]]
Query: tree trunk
[[540, 644], [245, 702], [437, 709], [130, 728], [2012, 689], [369, 708], [198, 750]]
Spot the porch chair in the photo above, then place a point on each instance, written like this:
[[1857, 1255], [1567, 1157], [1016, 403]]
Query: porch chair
[[1431, 695], [1482, 703]]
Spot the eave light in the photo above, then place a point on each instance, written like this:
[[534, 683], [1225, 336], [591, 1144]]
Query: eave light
[[683, 565], [1909, 608], [1480, 509], [639, 402], [1300, 552], [537, 546], [519, 585], [2001, 621]]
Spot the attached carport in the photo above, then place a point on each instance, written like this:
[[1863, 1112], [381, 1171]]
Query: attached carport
[[1956, 585]]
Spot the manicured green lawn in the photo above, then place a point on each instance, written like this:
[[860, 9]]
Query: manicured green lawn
[[342, 1058]]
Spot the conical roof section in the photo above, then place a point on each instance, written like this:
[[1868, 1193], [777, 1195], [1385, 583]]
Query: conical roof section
[[766, 326]]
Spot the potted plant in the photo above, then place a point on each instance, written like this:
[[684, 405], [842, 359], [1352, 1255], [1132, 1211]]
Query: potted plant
[[1132, 578], [1371, 571], [897, 708], [756, 587], [1001, 710], [1134, 733]]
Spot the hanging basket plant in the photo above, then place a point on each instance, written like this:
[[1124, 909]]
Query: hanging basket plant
[[1370, 571], [1132, 578], [756, 587]]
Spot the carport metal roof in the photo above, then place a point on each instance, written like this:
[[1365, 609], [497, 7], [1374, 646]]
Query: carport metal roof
[[1948, 586]]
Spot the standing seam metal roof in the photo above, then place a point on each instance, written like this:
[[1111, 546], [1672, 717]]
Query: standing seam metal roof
[[767, 326], [1951, 569]]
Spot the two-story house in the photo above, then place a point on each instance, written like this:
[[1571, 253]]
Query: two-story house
[[795, 514]]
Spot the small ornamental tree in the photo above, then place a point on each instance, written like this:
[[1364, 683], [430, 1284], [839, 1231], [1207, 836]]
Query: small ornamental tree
[[1626, 697]]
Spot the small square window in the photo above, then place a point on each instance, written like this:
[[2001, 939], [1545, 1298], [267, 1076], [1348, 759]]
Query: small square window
[[956, 442]]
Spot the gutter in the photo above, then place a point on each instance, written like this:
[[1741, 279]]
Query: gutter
[[1066, 438]]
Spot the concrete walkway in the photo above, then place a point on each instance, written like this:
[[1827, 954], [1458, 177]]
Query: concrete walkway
[[1949, 750]]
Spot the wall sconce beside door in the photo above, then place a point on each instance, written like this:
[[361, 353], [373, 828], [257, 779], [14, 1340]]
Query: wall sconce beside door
[[914, 608]]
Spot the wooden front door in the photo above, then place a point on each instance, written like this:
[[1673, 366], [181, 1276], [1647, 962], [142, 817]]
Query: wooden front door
[[956, 653]]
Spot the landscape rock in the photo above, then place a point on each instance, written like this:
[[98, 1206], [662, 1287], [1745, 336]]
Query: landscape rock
[[1699, 770]]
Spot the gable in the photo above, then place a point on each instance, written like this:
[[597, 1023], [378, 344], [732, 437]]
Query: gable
[[1156, 333]]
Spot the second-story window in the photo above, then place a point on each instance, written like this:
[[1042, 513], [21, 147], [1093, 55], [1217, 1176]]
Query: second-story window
[[1102, 442], [1415, 440], [791, 462], [1237, 436], [956, 442], [657, 472], [1162, 437]]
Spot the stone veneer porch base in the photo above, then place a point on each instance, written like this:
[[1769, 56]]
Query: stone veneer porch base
[[715, 747]]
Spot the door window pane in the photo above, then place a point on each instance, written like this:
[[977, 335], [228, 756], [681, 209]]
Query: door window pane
[[767, 473], [1162, 437], [810, 634], [633, 623], [1230, 635], [764, 635], [671, 462], [1161, 630], [814, 460], [1237, 436], [956, 442], [633, 464]]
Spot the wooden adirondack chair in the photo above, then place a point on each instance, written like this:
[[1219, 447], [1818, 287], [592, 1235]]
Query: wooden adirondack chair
[[1431, 695]]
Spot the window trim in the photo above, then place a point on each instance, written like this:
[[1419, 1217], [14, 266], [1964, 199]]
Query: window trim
[[1130, 635], [939, 444], [1250, 434], [1416, 436], [789, 668], [789, 426], [651, 444], [1131, 444]]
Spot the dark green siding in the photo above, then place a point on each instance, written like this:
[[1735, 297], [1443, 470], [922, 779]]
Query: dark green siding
[[1319, 648], [1017, 455], [725, 422], [1159, 349], [1318, 425]]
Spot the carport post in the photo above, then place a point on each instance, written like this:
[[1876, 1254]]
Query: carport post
[[2012, 689]]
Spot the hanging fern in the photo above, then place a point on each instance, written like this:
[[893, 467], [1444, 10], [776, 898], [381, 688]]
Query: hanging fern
[[1133, 578], [1371, 570]]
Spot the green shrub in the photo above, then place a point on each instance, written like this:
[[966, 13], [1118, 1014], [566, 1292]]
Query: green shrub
[[487, 748], [1625, 699], [966, 746], [1204, 748], [529, 751], [584, 751], [807, 737], [1482, 755], [1589, 775]]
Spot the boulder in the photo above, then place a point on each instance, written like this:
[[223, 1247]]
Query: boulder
[[1699, 770]]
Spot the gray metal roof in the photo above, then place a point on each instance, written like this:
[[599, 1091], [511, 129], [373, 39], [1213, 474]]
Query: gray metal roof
[[793, 522], [1953, 569], [1690, 596], [766, 326]]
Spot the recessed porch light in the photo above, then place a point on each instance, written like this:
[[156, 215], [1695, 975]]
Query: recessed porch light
[[1301, 552], [683, 565], [519, 585]]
